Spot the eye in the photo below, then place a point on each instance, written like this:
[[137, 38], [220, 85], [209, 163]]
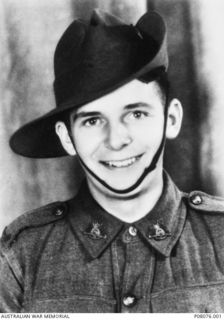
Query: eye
[[137, 115], [92, 122]]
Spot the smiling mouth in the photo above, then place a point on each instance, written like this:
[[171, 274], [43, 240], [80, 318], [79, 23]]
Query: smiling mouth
[[121, 163]]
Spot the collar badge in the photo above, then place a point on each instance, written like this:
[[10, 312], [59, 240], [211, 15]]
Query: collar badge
[[158, 232], [95, 232]]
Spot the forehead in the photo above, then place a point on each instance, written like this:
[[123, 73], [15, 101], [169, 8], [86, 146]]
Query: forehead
[[133, 92]]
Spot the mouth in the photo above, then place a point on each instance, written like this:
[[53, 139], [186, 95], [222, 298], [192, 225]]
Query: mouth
[[121, 163]]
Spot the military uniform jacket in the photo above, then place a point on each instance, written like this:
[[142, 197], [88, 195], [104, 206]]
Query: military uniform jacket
[[74, 257]]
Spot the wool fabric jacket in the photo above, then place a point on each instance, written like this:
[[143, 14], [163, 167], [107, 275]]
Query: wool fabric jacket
[[73, 256]]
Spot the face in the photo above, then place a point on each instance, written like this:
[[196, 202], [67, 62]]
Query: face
[[117, 135]]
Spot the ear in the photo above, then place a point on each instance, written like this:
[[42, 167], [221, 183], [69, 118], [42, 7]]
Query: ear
[[174, 119], [62, 132]]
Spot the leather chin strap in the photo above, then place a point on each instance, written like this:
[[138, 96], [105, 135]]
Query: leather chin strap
[[147, 170]]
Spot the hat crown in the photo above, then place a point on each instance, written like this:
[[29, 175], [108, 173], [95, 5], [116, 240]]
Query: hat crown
[[68, 51], [92, 57]]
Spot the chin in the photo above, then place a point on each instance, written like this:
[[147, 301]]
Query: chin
[[122, 181]]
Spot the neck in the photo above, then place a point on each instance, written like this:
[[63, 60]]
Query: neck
[[134, 206]]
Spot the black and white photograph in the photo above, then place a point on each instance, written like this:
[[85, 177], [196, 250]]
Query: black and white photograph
[[112, 156]]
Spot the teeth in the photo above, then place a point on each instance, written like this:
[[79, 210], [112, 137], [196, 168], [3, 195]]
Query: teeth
[[122, 163]]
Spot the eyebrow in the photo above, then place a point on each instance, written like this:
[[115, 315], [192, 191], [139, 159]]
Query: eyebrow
[[136, 105], [85, 114]]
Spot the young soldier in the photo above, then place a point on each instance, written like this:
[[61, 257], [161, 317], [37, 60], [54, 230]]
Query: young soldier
[[130, 241]]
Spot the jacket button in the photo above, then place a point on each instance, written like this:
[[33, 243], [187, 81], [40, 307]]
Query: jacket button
[[132, 231], [59, 211], [196, 199], [129, 300]]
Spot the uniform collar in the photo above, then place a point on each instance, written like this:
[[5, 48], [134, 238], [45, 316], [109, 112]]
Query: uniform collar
[[163, 225], [96, 228]]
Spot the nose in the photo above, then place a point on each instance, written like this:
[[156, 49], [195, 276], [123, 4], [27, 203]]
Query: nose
[[118, 136]]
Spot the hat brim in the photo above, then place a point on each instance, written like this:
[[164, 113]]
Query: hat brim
[[37, 139]]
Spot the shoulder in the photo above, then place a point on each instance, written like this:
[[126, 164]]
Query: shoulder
[[204, 223], [203, 202], [39, 217]]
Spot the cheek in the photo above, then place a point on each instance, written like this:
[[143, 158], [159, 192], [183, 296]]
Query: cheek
[[148, 133], [87, 143]]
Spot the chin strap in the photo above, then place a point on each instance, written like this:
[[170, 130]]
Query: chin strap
[[147, 170]]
